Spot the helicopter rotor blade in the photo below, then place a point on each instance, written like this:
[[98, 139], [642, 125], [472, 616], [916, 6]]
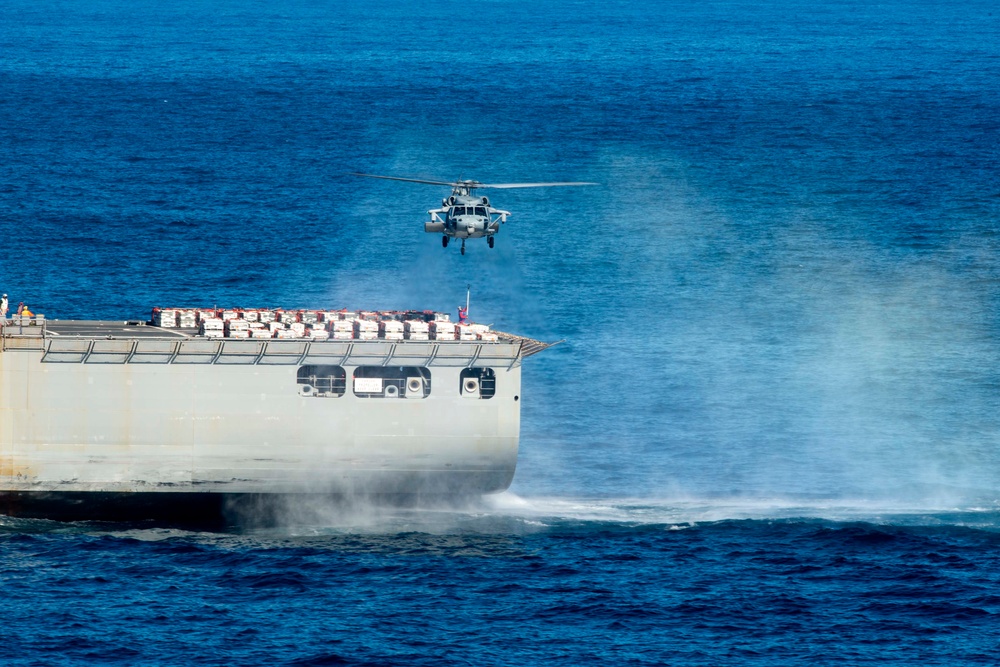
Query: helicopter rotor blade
[[475, 185], [507, 186], [408, 180]]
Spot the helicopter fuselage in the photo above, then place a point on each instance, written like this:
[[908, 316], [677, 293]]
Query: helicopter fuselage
[[465, 217]]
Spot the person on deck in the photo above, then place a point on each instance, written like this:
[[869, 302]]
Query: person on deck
[[463, 315], [3, 308]]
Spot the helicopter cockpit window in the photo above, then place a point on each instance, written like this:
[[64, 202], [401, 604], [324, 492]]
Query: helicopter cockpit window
[[481, 211]]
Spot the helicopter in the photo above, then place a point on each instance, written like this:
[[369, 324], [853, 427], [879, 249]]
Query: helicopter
[[463, 215]]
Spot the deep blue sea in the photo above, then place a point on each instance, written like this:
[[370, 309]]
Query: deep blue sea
[[771, 435]]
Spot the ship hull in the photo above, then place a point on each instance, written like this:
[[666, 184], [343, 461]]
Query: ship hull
[[129, 422]]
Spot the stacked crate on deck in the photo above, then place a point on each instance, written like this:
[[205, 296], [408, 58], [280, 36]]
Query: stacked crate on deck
[[165, 317], [390, 330], [482, 332], [341, 329], [365, 329], [323, 320], [295, 328], [236, 328], [416, 330], [213, 327], [317, 332], [442, 330], [323, 325], [419, 315], [258, 330], [186, 318]]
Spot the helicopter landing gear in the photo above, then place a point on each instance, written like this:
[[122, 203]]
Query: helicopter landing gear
[[444, 241], [489, 241], [463, 246]]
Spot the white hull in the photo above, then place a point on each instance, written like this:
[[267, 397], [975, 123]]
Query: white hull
[[155, 415]]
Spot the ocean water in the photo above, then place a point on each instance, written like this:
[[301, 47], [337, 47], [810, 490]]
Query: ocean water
[[770, 435]]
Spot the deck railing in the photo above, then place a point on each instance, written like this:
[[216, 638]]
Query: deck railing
[[31, 330]]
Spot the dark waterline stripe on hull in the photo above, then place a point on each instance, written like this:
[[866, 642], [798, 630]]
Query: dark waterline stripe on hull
[[196, 511]]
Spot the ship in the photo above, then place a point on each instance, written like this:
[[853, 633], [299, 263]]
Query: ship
[[196, 414]]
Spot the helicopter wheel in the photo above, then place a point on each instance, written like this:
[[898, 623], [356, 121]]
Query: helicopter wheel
[[444, 241], [489, 240]]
